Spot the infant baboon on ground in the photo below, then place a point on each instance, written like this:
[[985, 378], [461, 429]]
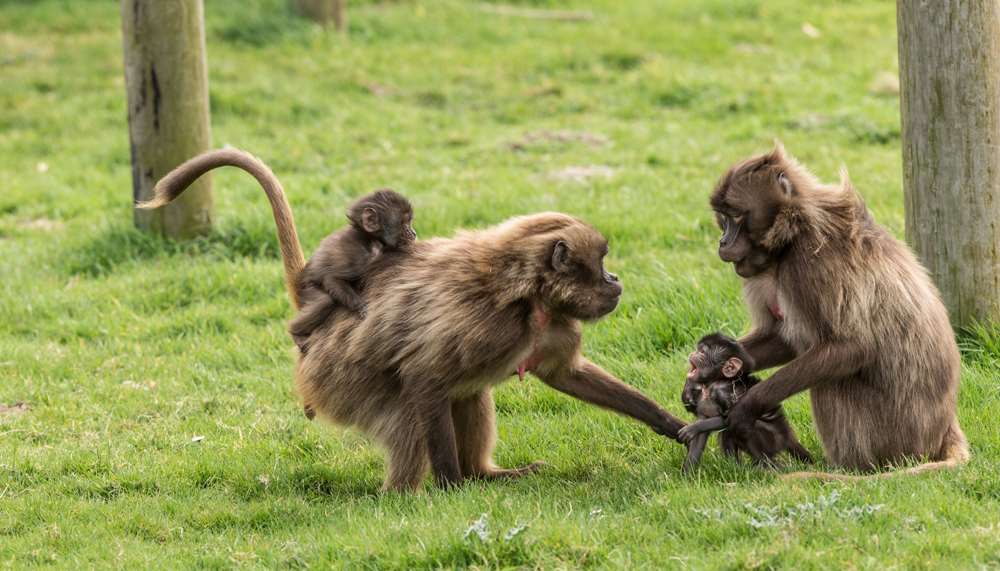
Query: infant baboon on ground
[[719, 376], [379, 222]]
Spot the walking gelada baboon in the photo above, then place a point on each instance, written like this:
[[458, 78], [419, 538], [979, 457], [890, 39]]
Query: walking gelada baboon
[[719, 376], [849, 309], [447, 320]]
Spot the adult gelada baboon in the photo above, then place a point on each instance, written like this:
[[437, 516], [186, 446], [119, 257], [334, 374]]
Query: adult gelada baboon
[[447, 320], [848, 308]]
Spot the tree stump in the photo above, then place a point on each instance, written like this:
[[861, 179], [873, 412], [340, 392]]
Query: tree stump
[[949, 66], [166, 79]]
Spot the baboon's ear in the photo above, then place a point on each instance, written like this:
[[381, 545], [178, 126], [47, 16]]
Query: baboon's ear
[[786, 185], [560, 257], [370, 220], [778, 153], [732, 367]]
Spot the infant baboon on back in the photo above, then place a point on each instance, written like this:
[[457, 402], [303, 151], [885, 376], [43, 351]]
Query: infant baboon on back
[[719, 376], [380, 221]]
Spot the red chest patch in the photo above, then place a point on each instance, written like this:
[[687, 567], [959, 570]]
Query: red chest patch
[[775, 310], [539, 323]]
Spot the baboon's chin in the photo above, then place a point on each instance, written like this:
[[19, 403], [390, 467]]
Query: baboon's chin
[[598, 310], [746, 269]]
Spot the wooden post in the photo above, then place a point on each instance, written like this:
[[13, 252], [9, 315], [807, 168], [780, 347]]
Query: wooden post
[[949, 67], [166, 78], [324, 11]]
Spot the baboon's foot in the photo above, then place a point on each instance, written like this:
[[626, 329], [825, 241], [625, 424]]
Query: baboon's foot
[[511, 473]]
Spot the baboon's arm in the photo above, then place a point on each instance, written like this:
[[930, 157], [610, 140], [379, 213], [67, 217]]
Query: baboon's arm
[[703, 426], [589, 383], [342, 293], [767, 348], [822, 363]]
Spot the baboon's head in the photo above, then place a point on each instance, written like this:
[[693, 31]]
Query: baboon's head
[[574, 280], [717, 357], [755, 204], [385, 216]]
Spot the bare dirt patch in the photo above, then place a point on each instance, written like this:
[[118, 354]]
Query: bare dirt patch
[[43, 224], [583, 173], [14, 409], [562, 137]]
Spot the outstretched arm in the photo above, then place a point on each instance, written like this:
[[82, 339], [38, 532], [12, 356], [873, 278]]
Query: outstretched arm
[[705, 425], [590, 383]]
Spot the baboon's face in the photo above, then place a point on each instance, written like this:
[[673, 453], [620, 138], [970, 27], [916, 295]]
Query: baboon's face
[[397, 231], [385, 216], [716, 358], [577, 284], [746, 202]]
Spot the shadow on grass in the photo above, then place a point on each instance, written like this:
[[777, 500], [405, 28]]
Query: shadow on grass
[[324, 482], [116, 246]]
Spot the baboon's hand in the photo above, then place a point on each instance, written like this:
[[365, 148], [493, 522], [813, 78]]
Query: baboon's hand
[[742, 416], [687, 434]]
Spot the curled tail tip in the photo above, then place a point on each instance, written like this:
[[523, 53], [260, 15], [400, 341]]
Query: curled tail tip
[[159, 199], [155, 202]]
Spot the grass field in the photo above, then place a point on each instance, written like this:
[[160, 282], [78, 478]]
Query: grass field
[[162, 429]]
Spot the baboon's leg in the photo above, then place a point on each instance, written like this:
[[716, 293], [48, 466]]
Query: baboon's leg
[[728, 446], [475, 432], [695, 450], [753, 445], [439, 430], [787, 434], [798, 451], [406, 453], [313, 314]]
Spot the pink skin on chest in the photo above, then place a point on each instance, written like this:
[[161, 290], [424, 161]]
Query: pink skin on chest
[[775, 309], [539, 322]]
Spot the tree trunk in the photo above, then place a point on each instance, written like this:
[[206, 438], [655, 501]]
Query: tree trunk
[[949, 67], [166, 79], [323, 11]]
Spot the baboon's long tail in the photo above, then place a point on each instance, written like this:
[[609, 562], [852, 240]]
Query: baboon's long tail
[[176, 181], [955, 452]]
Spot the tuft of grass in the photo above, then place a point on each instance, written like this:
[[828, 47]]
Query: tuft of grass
[[163, 430]]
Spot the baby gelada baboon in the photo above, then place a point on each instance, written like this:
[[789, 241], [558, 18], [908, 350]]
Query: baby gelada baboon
[[379, 222], [719, 376]]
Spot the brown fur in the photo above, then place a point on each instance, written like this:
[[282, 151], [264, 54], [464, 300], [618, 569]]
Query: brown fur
[[446, 322], [851, 311]]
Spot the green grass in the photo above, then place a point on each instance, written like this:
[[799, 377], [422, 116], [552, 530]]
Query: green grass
[[126, 347]]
